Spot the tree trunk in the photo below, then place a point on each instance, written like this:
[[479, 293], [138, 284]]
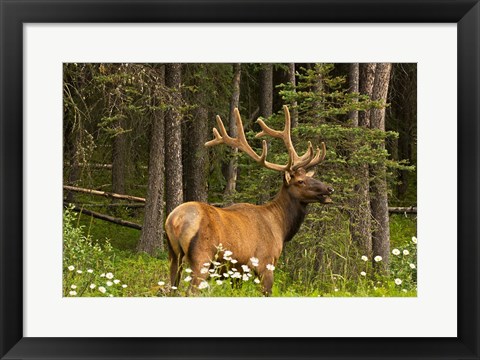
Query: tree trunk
[[360, 217], [173, 139], [367, 76], [194, 136], [266, 90], [379, 199], [119, 158], [353, 78], [74, 174], [293, 104], [151, 239], [318, 89], [234, 103]]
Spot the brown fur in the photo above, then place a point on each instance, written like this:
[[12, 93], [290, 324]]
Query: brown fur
[[195, 229]]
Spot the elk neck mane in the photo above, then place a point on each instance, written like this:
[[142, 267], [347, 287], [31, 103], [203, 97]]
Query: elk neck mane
[[290, 210]]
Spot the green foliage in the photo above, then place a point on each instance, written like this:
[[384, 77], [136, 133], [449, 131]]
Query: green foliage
[[87, 265], [333, 268]]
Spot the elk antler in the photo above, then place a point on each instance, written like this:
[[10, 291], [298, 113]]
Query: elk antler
[[306, 161]]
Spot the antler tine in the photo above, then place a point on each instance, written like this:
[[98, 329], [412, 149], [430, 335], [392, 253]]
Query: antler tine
[[319, 156], [305, 159]]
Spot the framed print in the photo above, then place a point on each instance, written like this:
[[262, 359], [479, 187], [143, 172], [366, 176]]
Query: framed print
[[57, 56]]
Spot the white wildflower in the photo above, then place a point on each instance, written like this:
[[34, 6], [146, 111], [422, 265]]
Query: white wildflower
[[124, 286], [92, 286], [206, 264], [102, 275], [335, 289], [174, 288], [187, 279], [233, 261], [412, 266], [219, 282], [102, 289], [398, 281], [188, 270], [216, 263], [79, 271], [212, 270], [236, 275], [225, 275], [109, 283], [73, 286], [116, 281], [90, 271], [377, 258], [73, 293], [270, 267], [71, 268], [203, 270], [245, 268], [109, 275], [363, 273], [203, 285], [396, 252], [364, 258], [414, 239], [254, 261], [214, 275], [406, 252], [245, 277], [404, 290], [256, 281], [161, 283], [227, 253]]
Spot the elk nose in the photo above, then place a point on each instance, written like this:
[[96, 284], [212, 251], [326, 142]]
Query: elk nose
[[330, 190]]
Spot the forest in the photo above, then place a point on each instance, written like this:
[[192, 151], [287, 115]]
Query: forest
[[134, 150]]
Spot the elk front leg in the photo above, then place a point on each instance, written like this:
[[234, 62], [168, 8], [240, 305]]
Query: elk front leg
[[267, 282]]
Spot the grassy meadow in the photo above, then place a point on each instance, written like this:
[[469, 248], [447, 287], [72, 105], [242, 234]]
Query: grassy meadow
[[100, 260]]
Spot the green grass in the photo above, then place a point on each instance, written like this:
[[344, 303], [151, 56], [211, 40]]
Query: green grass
[[121, 237], [296, 275]]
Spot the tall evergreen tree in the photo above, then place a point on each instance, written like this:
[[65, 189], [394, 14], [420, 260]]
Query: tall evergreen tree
[[173, 138], [266, 90], [151, 239], [234, 103], [379, 189]]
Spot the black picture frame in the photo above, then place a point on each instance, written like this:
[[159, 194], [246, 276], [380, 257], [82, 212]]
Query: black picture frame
[[465, 13]]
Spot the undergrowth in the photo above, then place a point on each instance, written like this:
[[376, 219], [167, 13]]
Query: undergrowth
[[100, 260]]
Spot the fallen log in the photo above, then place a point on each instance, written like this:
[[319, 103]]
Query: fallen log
[[403, 210], [106, 217], [103, 193], [126, 205]]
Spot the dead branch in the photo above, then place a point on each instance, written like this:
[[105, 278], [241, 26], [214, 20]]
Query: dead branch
[[403, 210], [107, 218], [104, 193]]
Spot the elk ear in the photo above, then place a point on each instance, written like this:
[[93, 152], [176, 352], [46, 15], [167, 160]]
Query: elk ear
[[288, 177], [310, 173]]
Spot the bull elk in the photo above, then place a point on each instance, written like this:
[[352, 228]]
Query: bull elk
[[195, 230]]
